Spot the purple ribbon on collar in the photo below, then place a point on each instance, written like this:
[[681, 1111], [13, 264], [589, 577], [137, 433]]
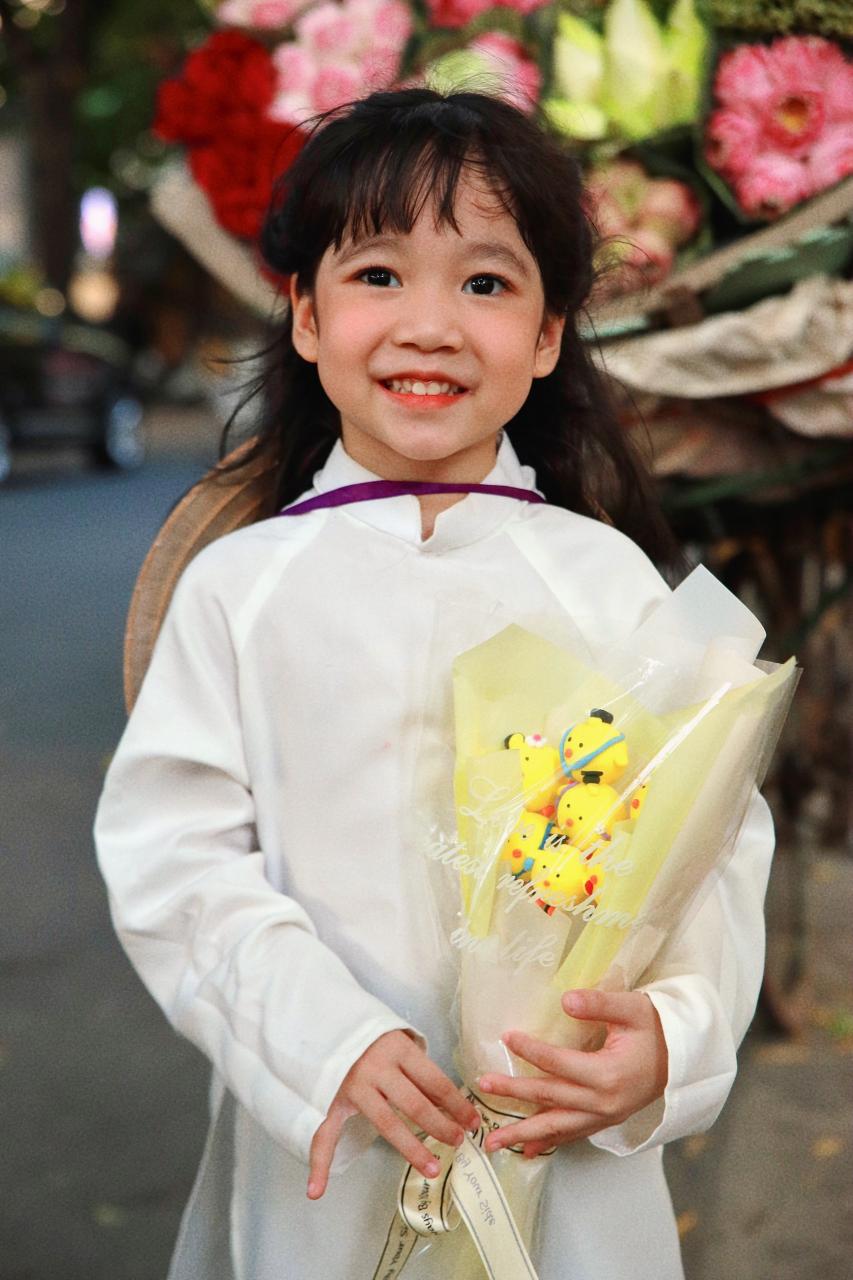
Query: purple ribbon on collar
[[370, 490]]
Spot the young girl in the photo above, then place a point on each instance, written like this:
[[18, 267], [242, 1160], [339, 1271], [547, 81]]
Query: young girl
[[253, 827]]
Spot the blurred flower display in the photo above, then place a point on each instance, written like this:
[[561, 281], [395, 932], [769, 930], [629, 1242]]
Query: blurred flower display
[[644, 221], [783, 130], [339, 52], [262, 15], [629, 85], [220, 108]]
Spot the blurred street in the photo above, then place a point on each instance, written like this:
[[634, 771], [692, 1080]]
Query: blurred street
[[102, 1107]]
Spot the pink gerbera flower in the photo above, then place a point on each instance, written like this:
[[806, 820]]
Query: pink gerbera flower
[[785, 112]]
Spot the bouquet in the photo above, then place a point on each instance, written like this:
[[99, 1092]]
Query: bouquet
[[593, 802]]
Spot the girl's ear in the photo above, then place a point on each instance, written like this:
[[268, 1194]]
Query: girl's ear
[[304, 323], [548, 346]]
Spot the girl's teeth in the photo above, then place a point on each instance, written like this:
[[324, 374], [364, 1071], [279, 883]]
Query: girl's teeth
[[408, 387]]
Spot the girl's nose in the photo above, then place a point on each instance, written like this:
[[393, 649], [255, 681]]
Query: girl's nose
[[429, 321]]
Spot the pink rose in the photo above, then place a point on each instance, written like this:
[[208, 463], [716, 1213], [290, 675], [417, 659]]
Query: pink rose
[[292, 108], [607, 215], [624, 182], [336, 83], [262, 14], [379, 68], [273, 14], [392, 24], [670, 208], [521, 76], [329, 29], [649, 253], [296, 67]]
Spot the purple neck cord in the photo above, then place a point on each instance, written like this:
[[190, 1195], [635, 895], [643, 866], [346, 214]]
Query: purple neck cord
[[371, 490]]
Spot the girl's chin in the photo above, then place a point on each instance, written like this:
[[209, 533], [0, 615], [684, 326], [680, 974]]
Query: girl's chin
[[420, 444]]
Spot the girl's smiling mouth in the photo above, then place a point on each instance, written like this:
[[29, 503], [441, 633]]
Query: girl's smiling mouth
[[420, 393]]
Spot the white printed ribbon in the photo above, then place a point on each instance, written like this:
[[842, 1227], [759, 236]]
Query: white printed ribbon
[[466, 1189]]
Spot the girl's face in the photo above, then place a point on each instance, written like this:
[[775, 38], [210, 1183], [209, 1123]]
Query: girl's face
[[433, 306]]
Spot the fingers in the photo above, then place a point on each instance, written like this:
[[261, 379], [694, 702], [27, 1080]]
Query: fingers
[[568, 1064], [533, 1149], [409, 1100], [444, 1093], [544, 1130], [624, 1008], [547, 1091], [391, 1083], [323, 1148], [395, 1131]]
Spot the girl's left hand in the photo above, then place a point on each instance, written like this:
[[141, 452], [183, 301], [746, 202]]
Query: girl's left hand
[[583, 1092]]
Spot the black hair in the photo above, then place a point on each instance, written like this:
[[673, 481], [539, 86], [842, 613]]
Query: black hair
[[368, 167]]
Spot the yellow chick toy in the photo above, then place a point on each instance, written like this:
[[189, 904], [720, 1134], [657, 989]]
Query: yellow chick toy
[[532, 834], [638, 799], [587, 811], [594, 744], [541, 772], [560, 876]]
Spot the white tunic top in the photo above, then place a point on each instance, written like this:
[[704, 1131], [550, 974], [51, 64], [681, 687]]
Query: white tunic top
[[254, 836]]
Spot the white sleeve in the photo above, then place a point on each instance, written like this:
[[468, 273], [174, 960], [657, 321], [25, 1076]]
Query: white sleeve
[[704, 985], [235, 965]]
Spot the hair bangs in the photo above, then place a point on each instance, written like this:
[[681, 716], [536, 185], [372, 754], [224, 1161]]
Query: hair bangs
[[408, 159]]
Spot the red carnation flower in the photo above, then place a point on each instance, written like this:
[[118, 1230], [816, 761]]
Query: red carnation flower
[[238, 176], [226, 87]]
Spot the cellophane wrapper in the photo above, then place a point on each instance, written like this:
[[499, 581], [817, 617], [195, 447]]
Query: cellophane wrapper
[[700, 719]]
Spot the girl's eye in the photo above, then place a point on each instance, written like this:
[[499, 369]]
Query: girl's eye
[[487, 280], [378, 277], [375, 271]]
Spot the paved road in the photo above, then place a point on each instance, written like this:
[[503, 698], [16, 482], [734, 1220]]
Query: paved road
[[102, 1107]]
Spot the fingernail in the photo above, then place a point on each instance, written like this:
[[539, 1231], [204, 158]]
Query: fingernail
[[572, 1002], [312, 1189], [432, 1169], [485, 1083], [460, 1138]]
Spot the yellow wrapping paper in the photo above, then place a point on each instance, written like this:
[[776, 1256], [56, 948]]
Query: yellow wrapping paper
[[700, 720], [703, 760]]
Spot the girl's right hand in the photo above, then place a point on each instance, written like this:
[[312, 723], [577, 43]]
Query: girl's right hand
[[393, 1076]]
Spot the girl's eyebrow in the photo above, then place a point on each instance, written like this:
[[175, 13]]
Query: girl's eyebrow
[[484, 248]]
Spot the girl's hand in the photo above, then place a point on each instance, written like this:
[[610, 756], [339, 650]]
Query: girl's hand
[[585, 1092], [393, 1076]]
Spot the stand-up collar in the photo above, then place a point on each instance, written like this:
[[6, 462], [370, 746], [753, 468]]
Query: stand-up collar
[[475, 516]]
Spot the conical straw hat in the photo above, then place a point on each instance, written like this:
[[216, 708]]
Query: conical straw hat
[[214, 506]]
